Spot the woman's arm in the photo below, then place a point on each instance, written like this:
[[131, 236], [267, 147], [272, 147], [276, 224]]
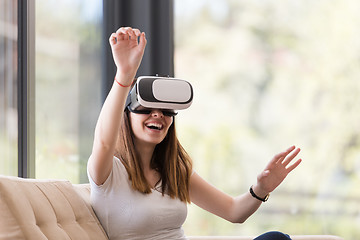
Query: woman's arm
[[240, 208], [127, 53]]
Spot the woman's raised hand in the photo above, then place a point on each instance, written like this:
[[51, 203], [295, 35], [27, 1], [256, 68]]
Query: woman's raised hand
[[127, 50], [276, 171]]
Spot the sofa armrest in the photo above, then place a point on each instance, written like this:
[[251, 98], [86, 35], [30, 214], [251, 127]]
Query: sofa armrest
[[45, 209]]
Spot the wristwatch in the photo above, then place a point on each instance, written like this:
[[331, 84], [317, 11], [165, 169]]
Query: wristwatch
[[257, 197]]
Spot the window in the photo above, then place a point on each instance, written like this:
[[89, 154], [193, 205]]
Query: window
[[268, 75], [8, 88], [63, 75], [68, 86]]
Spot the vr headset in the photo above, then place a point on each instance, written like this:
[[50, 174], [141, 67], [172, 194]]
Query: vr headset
[[159, 93]]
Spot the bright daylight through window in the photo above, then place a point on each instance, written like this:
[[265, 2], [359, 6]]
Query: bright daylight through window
[[267, 74], [8, 88], [68, 85]]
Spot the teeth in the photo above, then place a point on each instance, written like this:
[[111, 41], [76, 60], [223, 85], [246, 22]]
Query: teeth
[[154, 126]]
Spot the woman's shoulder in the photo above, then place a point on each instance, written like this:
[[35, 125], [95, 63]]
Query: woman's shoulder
[[117, 175], [118, 166]]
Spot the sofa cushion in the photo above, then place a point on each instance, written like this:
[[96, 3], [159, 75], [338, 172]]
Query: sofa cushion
[[45, 209]]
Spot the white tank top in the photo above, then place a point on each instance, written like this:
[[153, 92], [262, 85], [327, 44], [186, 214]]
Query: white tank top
[[129, 215]]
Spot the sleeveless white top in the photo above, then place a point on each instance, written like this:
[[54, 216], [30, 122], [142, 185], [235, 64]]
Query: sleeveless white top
[[130, 215]]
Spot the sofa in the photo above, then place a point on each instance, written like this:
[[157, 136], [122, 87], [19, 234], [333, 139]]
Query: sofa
[[35, 209]]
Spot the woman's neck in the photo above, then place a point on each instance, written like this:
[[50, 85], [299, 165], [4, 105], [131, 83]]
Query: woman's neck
[[145, 152]]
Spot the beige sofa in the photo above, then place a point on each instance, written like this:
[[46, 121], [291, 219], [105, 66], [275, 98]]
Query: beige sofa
[[56, 210]]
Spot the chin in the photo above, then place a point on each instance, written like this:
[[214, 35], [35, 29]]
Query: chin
[[153, 141]]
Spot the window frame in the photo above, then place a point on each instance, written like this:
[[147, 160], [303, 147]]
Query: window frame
[[157, 21], [26, 89]]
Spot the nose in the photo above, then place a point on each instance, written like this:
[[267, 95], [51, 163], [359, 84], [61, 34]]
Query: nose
[[157, 113]]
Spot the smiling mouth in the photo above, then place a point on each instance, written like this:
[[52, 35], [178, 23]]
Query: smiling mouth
[[154, 126]]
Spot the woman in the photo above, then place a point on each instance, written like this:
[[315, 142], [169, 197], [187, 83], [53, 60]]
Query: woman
[[141, 177]]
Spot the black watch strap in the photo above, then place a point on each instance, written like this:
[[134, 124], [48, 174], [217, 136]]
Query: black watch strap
[[257, 197]]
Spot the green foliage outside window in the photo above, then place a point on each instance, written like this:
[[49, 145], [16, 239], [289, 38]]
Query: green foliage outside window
[[269, 74]]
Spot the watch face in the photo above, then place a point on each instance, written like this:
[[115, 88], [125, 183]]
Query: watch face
[[266, 197]]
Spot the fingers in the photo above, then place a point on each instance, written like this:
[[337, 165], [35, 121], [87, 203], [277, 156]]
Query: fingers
[[292, 167], [142, 41], [128, 33], [137, 32], [123, 34], [112, 39], [278, 168], [279, 158], [291, 157]]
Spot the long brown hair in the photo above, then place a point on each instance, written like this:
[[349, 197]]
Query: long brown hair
[[169, 158]]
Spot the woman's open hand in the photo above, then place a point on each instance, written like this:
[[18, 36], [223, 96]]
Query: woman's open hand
[[276, 171], [127, 50]]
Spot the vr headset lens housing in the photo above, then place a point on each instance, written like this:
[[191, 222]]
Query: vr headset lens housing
[[169, 94], [165, 112]]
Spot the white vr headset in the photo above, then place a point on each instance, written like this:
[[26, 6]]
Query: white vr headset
[[159, 93]]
